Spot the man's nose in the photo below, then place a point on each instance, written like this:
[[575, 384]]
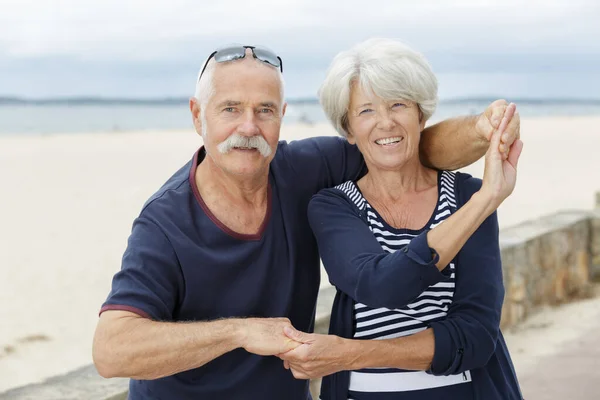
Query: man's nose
[[249, 126]]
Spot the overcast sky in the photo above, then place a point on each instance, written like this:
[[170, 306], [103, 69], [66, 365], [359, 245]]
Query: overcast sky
[[135, 48]]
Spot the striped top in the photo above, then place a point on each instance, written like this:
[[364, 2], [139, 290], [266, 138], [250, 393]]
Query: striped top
[[383, 323]]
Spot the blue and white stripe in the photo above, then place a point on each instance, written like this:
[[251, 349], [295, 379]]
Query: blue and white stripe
[[384, 323]]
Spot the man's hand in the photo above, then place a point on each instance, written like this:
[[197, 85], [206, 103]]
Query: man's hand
[[265, 337], [500, 174], [489, 122], [317, 356]]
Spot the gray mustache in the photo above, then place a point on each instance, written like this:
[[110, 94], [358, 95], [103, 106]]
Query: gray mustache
[[250, 142]]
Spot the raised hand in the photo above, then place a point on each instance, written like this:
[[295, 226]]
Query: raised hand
[[265, 336], [500, 174], [489, 122]]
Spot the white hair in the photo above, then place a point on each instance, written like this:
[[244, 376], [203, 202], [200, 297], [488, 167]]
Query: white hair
[[205, 89], [386, 68]]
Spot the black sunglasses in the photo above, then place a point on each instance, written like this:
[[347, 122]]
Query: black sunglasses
[[230, 53]]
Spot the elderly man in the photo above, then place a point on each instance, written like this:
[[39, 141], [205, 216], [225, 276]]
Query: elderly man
[[222, 258]]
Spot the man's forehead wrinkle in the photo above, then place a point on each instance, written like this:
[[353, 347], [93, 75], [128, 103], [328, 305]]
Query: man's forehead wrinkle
[[228, 92]]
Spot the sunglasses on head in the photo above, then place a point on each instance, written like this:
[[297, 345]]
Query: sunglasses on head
[[236, 52]]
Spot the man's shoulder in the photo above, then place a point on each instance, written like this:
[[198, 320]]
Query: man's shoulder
[[172, 194], [312, 146], [310, 158]]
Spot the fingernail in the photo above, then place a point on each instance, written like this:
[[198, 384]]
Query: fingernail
[[288, 330]]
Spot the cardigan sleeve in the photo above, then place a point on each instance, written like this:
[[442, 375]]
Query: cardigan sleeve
[[467, 337], [356, 263]]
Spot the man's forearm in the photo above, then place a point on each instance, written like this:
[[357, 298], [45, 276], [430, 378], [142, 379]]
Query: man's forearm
[[140, 348], [452, 144], [414, 352]]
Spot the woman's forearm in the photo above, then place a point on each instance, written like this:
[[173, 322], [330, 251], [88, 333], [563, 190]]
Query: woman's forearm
[[450, 236], [414, 352]]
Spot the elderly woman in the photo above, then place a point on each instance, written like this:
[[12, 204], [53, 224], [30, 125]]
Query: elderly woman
[[413, 252]]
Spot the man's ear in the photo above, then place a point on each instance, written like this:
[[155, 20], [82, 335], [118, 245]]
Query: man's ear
[[195, 110], [283, 109]]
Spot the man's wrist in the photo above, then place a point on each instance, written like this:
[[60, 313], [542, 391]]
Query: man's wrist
[[237, 332]]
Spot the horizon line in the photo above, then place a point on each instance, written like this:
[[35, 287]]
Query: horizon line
[[172, 100]]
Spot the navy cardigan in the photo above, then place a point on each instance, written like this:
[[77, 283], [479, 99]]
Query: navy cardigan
[[468, 338]]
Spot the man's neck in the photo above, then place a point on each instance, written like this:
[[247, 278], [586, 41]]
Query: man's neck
[[239, 203], [240, 189]]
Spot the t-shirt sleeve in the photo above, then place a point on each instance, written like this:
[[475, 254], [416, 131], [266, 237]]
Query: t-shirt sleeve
[[150, 279], [325, 161]]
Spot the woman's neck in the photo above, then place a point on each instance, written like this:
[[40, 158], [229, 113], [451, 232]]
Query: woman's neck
[[389, 186]]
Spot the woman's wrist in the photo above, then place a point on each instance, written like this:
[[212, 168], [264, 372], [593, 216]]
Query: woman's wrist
[[350, 354], [485, 201]]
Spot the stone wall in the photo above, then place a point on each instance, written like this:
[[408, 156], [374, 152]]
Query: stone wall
[[547, 261]]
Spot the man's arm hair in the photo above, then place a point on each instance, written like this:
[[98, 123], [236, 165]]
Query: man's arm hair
[[128, 345], [457, 142], [452, 144]]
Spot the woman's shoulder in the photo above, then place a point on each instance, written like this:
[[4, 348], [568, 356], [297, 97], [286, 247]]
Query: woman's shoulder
[[345, 194], [465, 185]]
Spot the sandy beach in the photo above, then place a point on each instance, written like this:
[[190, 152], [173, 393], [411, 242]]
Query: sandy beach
[[67, 203]]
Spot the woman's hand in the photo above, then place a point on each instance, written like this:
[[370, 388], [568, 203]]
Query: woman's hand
[[489, 122], [500, 175], [317, 356]]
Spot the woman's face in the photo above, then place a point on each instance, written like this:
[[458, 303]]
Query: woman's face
[[387, 133]]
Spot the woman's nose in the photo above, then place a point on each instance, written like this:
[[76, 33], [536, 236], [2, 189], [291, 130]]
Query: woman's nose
[[385, 120]]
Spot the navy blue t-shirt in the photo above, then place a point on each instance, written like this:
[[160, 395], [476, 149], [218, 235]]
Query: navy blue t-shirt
[[182, 264]]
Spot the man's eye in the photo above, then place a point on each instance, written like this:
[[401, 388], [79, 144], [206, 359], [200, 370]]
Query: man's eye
[[229, 109], [266, 110]]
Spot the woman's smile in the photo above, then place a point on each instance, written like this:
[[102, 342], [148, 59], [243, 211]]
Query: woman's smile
[[390, 141]]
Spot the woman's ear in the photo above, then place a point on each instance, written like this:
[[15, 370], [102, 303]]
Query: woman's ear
[[350, 137], [346, 127], [421, 120]]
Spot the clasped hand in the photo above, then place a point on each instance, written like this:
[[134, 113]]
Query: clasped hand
[[306, 355], [500, 174]]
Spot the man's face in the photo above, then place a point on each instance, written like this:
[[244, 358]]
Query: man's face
[[246, 103]]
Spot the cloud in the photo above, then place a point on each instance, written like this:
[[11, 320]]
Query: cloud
[[147, 29], [143, 48]]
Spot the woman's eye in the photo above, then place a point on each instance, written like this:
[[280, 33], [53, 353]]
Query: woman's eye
[[365, 111], [396, 105]]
